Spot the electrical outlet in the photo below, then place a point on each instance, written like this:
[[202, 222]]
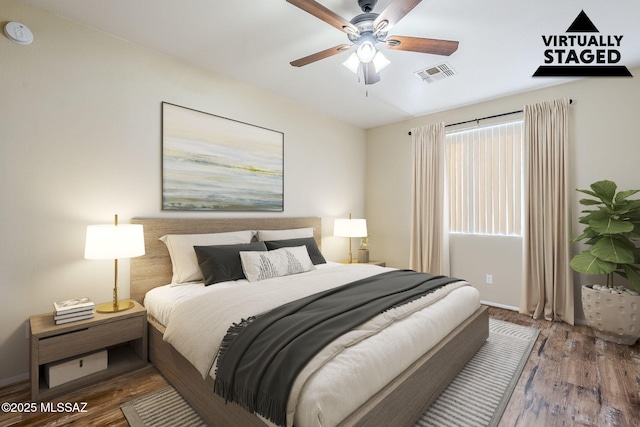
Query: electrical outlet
[[489, 279], [27, 329]]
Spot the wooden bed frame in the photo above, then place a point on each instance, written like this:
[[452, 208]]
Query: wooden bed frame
[[401, 403]]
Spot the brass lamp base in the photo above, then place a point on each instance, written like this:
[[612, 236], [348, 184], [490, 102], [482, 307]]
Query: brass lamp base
[[112, 308]]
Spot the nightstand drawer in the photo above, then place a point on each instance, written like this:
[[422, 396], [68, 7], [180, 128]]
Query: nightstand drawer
[[122, 334], [90, 338]]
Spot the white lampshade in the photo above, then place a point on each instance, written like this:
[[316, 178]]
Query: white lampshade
[[114, 241], [352, 63], [380, 61], [350, 228]]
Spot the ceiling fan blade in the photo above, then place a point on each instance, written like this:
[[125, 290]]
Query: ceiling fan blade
[[417, 44], [321, 12], [395, 11], [320, 55]]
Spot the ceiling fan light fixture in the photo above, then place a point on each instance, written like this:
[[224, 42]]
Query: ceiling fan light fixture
[[366, 51], [380, 62], [352, 63]]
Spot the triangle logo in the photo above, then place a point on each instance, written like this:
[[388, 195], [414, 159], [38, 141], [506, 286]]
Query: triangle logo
[[582, 24]]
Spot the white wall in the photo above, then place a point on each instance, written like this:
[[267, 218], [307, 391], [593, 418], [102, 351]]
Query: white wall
[[80, 141], [604, 145]]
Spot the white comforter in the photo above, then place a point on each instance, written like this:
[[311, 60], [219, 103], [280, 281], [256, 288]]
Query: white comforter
[[197, 319]]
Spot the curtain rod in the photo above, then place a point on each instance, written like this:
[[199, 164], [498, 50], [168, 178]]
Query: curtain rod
[[488, 117]]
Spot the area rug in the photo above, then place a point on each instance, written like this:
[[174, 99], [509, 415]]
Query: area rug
[[479, 394], [476, 397], [161, 408]]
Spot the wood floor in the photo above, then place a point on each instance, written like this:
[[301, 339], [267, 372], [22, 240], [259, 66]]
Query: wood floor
[[571, 379]]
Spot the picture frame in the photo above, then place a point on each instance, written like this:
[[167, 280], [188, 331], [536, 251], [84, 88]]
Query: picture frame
[[212, 163]]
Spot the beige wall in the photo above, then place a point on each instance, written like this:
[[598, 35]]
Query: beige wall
[[604, 145], [473, 256], [80, 141]]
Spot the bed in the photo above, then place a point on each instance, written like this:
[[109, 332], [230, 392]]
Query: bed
[[400, 403]]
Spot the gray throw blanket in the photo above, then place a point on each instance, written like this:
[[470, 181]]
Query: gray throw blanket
[[261, 357]]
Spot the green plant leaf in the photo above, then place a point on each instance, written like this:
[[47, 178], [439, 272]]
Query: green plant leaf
[[612, 249], [632, 273], [605, 190], [623, 195], [589, 202], [632, 210], [589, 192], [611, 226], [592, 241], [626, 208], [591, 215], [588, 264], [587, 234]]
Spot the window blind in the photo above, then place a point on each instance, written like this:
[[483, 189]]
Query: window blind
[[484, 179]]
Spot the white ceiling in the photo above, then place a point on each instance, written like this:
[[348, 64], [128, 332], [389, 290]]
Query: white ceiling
[[253, 41]]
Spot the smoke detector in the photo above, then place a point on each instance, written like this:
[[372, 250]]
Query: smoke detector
[[436, 73], [18, 33]]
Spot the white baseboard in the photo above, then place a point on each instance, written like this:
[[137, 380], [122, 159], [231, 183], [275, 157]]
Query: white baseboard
[[12, 380], [495, 304], [512, 308]]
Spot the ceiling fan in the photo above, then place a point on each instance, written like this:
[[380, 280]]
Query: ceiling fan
[[368, 29]]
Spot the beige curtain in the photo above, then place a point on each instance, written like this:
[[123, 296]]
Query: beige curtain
[[429, 234], [548, 282]]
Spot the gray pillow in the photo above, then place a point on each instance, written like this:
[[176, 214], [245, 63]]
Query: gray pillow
[[309, 242], [221, 263]]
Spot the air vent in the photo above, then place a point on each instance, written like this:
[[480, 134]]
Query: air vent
[[436, 73]]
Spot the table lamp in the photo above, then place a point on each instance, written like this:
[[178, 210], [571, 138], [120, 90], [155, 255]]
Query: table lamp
[[350, 228], [113, 242]]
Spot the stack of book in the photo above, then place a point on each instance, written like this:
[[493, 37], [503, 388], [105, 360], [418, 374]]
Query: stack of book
[[73, 310]]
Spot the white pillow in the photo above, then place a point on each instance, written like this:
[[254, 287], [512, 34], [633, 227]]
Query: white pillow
[[293, 233], [183, 256], [276, 263]]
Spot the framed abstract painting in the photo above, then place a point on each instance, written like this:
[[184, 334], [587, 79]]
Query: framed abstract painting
[[211, 163]]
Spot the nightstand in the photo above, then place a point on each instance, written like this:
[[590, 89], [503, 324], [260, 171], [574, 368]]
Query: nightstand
[[380, 263], [122, 334]]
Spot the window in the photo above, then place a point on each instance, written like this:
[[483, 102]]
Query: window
[[484, 179]]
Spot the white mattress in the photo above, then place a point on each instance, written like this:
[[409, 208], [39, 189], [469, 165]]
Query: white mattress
[[386, 351]]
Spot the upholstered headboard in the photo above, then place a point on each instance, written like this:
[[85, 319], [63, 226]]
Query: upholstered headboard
[[154, 268]]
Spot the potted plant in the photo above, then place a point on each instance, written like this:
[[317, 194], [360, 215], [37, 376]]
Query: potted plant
[[612, 227]]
